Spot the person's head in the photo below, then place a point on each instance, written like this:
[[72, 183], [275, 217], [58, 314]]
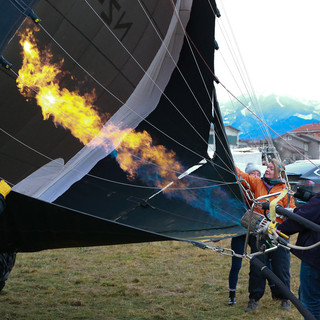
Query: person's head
[[273, 169], [253, 170]]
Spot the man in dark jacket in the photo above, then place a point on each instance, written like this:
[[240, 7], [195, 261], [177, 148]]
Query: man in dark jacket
[[309, 290], [7, 259]]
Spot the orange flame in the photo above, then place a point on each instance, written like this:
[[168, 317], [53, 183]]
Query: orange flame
[[77, 113], [69, 109], [137, 150]]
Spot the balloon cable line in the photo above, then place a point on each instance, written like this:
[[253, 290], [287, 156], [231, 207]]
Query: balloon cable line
[[217, 80], [262, 128], [243, 80], [260, 120], [238, 65]]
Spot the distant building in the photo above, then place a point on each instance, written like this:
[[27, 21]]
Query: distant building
[[312, 129], [232, 136], [242, 154], [305, 141], [294, 146]]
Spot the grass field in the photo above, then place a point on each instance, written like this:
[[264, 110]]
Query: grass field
[[159, 281]]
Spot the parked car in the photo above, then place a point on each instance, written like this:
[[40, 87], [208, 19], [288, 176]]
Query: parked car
[[305, 175]]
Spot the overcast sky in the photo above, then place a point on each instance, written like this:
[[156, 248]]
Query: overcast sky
[[279, 41]]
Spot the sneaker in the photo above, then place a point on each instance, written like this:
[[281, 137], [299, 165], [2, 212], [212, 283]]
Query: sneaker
[[285, 305], [232, 298], [252, 305]]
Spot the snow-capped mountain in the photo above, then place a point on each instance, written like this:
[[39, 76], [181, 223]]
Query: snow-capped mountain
[[280, 113]]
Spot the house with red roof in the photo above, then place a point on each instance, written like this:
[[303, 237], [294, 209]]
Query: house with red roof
[[299, 143], [312, 129]]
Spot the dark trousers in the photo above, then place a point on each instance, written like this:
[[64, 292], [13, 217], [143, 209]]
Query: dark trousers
[[309, 290], [237, 245], [280, 262]]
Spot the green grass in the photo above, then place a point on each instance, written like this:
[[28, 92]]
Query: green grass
[[158, 281]]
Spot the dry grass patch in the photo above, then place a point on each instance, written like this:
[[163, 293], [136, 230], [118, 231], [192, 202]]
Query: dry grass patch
[[154, 281]]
